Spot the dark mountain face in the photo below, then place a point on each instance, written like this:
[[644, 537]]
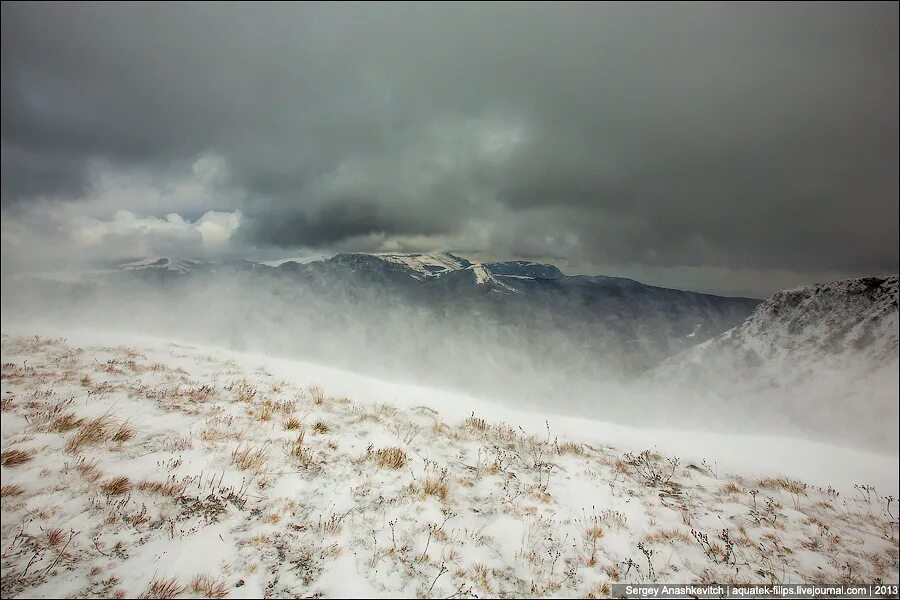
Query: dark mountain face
[[524, 269]]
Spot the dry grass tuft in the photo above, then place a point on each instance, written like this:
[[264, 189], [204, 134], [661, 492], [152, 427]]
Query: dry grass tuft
[[390, 458], [123, 433], [91, 433], [621, 466], [64, 422], [167, 488], [594, 532], [789, 485], [11, 490], [15, 458], [476, 423], [301, 452], [331, 525], [201, 394], [316, 394], [285, 407], [292, 423], [218, 429], [55, 536], [481, 576], [116, 486], [88, 469], [668, 536], [249, 458], [321, 427], [436, 486], [243, 391], [163, 588], [732, 487], [266, 410], [600, 590], [209, 586], [570, 448]]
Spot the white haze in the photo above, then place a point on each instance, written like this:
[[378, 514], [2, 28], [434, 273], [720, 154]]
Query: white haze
[[356, 329]]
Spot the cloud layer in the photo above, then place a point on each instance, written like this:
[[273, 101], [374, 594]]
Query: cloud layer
[[634, 138]]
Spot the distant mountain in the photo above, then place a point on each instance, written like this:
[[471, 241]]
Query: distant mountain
[[178, 265], [613, 321], [817, 353]]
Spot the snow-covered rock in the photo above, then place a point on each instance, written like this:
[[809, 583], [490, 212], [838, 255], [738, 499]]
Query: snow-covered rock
[[430, 264]]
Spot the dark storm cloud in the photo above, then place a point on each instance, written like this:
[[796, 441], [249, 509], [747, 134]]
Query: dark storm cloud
[[737, 136]]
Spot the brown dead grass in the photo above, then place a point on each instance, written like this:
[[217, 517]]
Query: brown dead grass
[[116, 486], [163, 588], [123, 433], [64, 422], [481, 574], [243, 391], [316, 394], [266, 410], [88, 470], [791, 486], [732, 487], [594, 532], [437, 487], [570, 448], [218, 430], [300, 451], [600, 590], [390, 458], [292, 423], [11, 490], [621, 466], [201, 394], [476, 423], [55, 536], [321, 427], [248, 458], [14, 458], [209, 586], [162, 488], [668, 536], [91, 433]]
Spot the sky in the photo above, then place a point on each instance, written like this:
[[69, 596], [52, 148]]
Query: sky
[[732, 148]]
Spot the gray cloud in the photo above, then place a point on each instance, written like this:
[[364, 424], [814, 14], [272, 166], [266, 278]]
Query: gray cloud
[[633, 136]]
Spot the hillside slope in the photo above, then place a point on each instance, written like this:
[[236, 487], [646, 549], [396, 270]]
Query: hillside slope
[[824, 355], [176, 471]]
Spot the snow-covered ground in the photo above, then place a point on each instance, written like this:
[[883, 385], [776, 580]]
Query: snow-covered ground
[[146, 466]]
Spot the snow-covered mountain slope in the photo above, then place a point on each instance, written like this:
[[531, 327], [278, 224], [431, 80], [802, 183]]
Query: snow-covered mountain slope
[[854, 319], [431, 264], [483, 276], [181, 265], [140, 466], [825, 354]]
